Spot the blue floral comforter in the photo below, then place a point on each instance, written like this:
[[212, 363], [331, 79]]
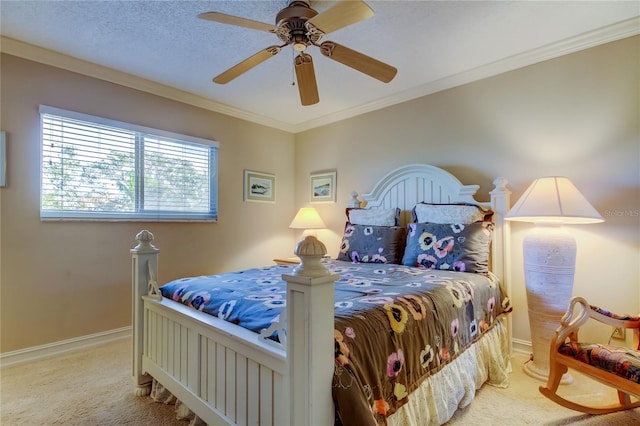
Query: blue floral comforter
[[394, 325]]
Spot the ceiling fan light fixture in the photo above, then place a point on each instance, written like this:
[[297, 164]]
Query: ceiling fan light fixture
[[300, 42]]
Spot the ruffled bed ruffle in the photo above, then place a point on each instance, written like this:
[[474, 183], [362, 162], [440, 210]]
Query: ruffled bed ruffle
[[439, 396], [160, 394]]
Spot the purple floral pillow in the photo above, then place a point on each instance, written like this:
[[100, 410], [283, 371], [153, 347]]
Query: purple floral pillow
[[372, 244], [454, 247]]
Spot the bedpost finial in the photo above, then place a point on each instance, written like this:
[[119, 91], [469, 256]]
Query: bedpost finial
[[310, 251], [144, 239], [353, 202], [310, 246], [500, 183], [144, 235]]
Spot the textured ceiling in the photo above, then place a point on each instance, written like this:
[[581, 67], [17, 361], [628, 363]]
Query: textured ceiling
[[434, 45]]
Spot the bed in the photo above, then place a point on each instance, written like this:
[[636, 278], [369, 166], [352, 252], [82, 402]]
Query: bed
[[367, 338]]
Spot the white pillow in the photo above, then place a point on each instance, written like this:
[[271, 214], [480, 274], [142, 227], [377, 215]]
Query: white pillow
[[374, 217], [449, 213]]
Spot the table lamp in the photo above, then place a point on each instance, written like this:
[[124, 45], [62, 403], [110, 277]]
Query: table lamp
[[549, 252], [306, 219]]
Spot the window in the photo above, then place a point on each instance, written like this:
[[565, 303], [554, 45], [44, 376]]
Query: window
[[95, 168]]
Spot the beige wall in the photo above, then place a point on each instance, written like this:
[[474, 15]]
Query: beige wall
[[67, 279], [576, 116]]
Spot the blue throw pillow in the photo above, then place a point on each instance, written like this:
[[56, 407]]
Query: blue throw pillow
[[454, 247]]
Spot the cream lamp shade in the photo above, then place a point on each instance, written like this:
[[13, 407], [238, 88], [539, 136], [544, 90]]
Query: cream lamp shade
[[549, 257], [553, 199], [307, 218]]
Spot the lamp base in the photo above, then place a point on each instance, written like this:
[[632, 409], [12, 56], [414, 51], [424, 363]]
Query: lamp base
[[542, 373], [549, 264]]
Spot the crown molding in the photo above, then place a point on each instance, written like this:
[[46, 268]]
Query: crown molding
[[617, 31], [70, 63]]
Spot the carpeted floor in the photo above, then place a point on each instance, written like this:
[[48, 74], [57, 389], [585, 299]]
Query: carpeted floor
[[93, 387], [89, 387]]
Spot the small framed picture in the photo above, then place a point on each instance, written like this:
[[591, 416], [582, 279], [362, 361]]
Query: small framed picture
[[260, 187], [323, 187]]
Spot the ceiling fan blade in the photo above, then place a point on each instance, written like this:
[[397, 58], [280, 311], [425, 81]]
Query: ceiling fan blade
[[235, 20], [246, 65], [341, 15], [306, 77], [358, 61]]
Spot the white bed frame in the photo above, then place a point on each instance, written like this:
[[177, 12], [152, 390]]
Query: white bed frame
[[229, 375]]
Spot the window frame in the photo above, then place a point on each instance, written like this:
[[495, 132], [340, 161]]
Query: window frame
[[139, 215]]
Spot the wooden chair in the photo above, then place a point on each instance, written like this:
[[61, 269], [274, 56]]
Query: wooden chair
[[616, 366]]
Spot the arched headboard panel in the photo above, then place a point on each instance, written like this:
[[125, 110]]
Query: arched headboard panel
[[408, 185]]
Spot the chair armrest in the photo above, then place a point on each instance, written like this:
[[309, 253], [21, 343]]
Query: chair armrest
[[580, 311], [577, 314]]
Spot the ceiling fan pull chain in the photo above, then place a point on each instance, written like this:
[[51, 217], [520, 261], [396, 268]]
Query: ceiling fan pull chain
[[293, 68]]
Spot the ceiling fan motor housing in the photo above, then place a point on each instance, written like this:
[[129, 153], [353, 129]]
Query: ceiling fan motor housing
[[292, 18]]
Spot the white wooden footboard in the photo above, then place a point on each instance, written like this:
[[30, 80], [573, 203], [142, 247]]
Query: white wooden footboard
[[206, 367], [224, 373]]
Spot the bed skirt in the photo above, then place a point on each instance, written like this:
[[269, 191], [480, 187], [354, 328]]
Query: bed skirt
[[438, 397], [160, 394]]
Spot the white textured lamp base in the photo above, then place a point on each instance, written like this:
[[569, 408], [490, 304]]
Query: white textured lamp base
[[549, 265]]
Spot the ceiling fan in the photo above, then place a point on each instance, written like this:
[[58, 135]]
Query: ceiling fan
[[301, 26]]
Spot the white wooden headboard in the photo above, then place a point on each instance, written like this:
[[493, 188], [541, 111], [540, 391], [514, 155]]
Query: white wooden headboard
[[408, 185]]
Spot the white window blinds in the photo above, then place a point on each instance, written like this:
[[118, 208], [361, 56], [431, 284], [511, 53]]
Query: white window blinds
[[94, 168]]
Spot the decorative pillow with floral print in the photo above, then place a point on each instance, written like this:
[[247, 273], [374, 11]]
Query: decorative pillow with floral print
[[372, 244], [454, 247]]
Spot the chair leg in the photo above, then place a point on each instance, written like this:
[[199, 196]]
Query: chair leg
[[556, 371], [624, 398]]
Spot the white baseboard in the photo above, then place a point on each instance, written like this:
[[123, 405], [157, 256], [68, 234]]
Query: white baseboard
[[521, 346], [22, 356]]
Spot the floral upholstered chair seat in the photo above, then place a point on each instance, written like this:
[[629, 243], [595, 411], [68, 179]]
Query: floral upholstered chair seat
[[618, 360]]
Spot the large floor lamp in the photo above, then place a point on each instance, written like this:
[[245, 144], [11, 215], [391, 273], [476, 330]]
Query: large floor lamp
[[549, 259]]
